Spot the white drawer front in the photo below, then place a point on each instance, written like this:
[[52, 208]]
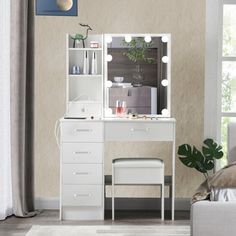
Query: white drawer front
[[82, 195], [84, 109], [82, 173], [139, 131], [82, 132], [82, 152]]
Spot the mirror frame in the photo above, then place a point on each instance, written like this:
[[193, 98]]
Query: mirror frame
[[106, 94]]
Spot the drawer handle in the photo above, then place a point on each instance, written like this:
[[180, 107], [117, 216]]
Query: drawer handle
[[139, 130], [80, 173], [76, 195], [82, 152], [83, 130]]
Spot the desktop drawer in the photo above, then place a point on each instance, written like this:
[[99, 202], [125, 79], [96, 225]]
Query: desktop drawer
[[82, 152], [82, 195], [82, 131], [76, 109], [139, 131], [82, 174]]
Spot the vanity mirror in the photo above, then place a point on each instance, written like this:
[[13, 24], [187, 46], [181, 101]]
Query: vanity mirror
[[137, 74]]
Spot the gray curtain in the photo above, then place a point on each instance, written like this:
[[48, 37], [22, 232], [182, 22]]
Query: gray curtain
[[22, 99]]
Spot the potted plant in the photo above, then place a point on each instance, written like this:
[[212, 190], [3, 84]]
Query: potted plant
[[80, 37], [137, 50], [204, 160], [137, 53]]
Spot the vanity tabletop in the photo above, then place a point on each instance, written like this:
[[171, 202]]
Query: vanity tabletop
[[121, 119]]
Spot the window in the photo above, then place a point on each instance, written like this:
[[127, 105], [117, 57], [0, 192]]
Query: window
[[227, 71], [220, 71]]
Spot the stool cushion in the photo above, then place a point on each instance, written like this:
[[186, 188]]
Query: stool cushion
[[138, 162], [138, 171]]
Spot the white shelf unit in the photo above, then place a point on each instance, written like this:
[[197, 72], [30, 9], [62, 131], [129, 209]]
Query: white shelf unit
[[84, 76], [84, 91], [85, 49]]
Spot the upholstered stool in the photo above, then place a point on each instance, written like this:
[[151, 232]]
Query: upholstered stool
[[138, 171]]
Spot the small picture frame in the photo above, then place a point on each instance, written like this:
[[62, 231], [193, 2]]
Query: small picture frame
[[56, 7]]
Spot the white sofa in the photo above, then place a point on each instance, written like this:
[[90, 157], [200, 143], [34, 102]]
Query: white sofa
[[213, 218], [216, 218]]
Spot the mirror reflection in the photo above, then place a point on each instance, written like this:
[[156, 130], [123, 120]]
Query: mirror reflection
[[137, 71]]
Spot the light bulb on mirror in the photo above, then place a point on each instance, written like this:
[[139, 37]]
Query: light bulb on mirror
[[108, 111], [128, 38], [164, 82], [165, 39], [108, 84], [165, 59], [147, 39], [109, 57], [108, 39], [165, 112]]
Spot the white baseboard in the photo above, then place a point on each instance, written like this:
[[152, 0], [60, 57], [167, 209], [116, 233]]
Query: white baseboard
[[46, 203], [181, 204]]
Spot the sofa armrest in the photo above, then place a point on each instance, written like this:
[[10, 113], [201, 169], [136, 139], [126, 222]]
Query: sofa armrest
[[213, 218]]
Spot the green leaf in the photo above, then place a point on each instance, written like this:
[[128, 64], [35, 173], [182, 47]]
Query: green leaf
[[212, 150], [192, 158], [201, 161], [208, 164]]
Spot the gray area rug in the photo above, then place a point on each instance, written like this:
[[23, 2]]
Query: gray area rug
[[127, 230]]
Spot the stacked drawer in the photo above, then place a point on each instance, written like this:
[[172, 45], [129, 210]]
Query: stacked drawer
[[82, 170]]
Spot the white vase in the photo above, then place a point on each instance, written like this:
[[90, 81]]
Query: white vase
[[94, 69], [86, 63]]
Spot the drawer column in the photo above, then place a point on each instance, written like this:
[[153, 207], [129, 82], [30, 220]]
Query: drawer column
[[82, 174]]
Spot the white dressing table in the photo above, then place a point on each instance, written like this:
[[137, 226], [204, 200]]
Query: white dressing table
[[87, 95], [82, 159]]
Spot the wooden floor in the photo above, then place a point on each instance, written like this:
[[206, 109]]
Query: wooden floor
[[13, 226]]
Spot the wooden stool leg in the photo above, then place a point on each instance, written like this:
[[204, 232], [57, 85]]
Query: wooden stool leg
[[113, 195], [162, 201]]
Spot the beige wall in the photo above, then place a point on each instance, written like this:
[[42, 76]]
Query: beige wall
[[184, 19]]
